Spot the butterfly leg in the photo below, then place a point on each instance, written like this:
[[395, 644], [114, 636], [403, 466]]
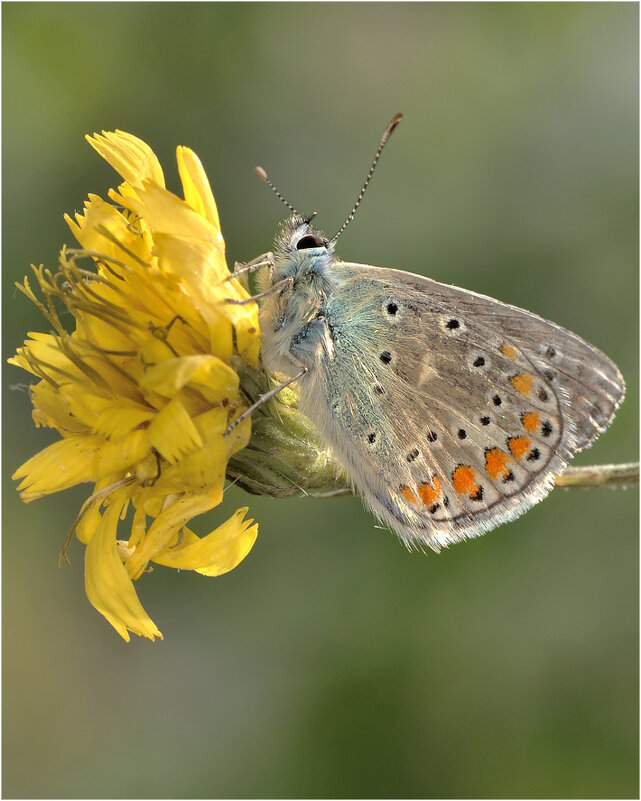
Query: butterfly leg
[[263, 399], [278, 287], [266, 260]]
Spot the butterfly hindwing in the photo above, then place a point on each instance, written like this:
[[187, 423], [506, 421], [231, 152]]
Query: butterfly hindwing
[[452, 412]]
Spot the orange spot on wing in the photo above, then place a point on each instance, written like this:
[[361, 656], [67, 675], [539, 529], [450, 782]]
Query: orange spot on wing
[[509, 351], [519, 446], [496, 463], [407, 493], [530, 421], [463, 480], [430, 493], [522, 383]]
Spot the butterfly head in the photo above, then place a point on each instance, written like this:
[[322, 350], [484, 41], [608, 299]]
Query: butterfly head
[[300, 249], [297, 235]]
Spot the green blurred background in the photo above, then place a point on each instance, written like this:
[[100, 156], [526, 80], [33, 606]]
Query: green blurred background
[[332, 662]]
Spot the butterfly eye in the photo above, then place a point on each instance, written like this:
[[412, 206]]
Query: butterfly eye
[[310, 241]]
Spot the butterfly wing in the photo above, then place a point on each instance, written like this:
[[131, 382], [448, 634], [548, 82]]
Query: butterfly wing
[[451, 412]]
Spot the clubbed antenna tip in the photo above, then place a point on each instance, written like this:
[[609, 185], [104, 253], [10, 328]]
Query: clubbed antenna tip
[[260, 172], [394, 122]]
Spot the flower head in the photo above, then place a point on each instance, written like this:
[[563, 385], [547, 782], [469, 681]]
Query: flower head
[[143, 389]]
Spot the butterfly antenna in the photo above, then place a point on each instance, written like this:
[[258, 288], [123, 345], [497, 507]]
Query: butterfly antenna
[[386, 135], [260, 172]]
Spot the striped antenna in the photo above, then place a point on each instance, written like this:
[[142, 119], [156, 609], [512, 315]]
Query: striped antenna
[[260, 172], [386, 135]]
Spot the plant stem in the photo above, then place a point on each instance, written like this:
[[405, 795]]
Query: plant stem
[[601, 475]]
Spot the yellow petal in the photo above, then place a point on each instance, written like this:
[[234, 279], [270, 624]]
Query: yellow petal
[[170, 376], [105, 230], [88, 521], [199, 261], [107, 584], [58, 467], [45, 350], [244, 318], [165, 528], [203, 470], [121, 455], [138, 528], [115, 422], [218, 552], [132, 158], [54, 409], [196, 187], [166, 213], [172, 432], [203, 271], [83, 404]]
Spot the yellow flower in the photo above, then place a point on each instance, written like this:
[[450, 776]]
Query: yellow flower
[[144, 387]]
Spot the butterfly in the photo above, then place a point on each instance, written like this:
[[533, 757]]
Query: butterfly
[[450, 411]]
